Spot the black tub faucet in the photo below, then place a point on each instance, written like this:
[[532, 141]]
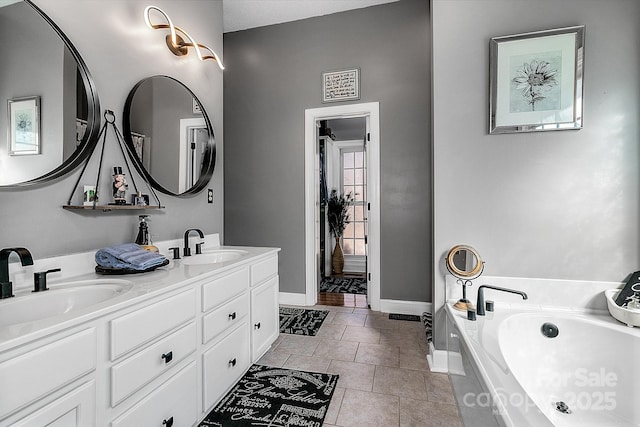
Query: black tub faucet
[[6, 287], [187, 249], [480, 302]]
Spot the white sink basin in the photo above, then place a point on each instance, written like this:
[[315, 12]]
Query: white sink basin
[[59, 299], [213, 256]]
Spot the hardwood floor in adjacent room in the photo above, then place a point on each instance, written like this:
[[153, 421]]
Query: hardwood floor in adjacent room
[[342, 300]]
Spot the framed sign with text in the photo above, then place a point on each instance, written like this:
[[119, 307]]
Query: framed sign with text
[[341, 85]]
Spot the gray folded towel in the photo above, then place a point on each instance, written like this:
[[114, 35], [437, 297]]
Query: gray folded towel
[[128, 256]]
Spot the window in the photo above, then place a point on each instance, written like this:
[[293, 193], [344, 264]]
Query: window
[[353, 180]]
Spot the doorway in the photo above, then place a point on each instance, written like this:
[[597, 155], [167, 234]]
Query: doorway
[[368, 263], [343, 169]]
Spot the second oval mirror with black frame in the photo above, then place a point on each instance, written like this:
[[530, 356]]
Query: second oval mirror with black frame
[[169, 136]]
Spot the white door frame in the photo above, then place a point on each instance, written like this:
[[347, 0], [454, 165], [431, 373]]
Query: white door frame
[[371, 111], [183, 161]]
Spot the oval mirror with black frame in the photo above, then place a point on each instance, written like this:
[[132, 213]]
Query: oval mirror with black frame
[[465, 264], [50, 110], [169, 136]]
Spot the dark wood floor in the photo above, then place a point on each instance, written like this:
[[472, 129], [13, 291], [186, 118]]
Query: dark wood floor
[[342, 300]]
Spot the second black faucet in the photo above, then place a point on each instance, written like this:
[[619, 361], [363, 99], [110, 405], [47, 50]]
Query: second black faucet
[[187, 249]]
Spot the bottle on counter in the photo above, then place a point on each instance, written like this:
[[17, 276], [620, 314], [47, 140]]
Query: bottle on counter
[[143, 238]]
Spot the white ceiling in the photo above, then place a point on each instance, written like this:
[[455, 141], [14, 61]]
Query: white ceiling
[[244, 14]]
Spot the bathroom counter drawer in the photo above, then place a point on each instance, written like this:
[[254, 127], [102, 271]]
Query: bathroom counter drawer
[[175, 403], [45, 369], [143, 325], [224, 363], [264, 269], [138, 370], [224, 317], [222, 289]]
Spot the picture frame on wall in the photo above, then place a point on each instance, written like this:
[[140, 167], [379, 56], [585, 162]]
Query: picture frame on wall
[[24, 126], [343, 85], [536, 81]]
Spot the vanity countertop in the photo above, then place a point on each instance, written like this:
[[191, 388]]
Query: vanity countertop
[[78, 269]]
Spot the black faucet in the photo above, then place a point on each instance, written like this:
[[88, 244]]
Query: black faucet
[[480, 303], [187, 249], [6, 287]]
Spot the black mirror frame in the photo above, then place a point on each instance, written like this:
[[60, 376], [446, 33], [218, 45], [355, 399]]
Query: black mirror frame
[[209, 157], [93, 114]]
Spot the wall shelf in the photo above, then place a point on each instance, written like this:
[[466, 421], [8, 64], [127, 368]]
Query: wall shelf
[[106, 208]]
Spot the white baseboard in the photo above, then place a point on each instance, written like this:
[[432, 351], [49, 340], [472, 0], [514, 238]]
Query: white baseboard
[[404, 307], [437, 359], [290, 298]]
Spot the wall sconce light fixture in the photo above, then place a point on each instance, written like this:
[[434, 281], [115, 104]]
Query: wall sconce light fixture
[[178, 40]]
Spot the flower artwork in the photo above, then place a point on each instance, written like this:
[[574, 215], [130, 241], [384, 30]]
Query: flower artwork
[[536, 81], [536, 84]]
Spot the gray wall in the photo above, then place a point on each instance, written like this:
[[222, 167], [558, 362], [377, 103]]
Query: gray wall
[[273, 74], [119, 51], [560, 205]]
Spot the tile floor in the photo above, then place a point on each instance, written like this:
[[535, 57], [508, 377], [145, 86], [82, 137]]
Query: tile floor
[[384, 377]]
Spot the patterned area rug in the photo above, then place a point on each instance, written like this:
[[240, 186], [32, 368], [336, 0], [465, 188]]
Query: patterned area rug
[[267, 396], [344, 285], [427, 321], [300, 321]]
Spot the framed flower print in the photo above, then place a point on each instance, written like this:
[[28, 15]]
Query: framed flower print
[[536, 81]]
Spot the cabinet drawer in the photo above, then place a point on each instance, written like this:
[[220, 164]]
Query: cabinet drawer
[[225, 317], [263, 270], [220, 290], [76, 408], [224, 363], [136, 371], [32, 375], [136, 328], [174, 400]]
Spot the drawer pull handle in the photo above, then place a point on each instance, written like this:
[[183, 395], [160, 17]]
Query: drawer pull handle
[[168, 357], [232, 316], [233, 362], [256, 326], [168, 422]]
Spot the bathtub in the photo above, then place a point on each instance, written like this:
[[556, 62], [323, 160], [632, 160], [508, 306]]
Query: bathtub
[[587, 375]]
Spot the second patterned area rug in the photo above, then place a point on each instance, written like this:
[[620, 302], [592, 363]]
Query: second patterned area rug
[[344, 285], [267, 396], [300, 321]]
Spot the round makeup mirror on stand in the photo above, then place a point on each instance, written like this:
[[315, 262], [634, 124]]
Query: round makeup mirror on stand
[[465, 264]]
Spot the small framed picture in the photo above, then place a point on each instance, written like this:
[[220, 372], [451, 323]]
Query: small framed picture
[[341, 85], [536, 81], [24, 126], [140, 199]]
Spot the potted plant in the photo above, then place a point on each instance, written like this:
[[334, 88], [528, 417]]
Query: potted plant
[[338, 218]]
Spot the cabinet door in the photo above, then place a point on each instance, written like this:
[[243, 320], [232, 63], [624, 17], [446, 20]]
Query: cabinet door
[[172, 403], [45, 369], [265, 323], [74, 409], [224, 363]]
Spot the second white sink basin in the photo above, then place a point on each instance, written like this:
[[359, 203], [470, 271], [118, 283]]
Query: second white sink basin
[[213, 256], [29, 307]]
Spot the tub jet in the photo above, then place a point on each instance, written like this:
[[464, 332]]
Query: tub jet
[[562, 407], [549, 330]]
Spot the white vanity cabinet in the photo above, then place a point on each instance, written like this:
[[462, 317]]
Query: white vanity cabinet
[[164, 359]]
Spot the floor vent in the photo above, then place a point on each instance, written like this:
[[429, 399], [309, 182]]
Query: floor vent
[[411, 317]]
